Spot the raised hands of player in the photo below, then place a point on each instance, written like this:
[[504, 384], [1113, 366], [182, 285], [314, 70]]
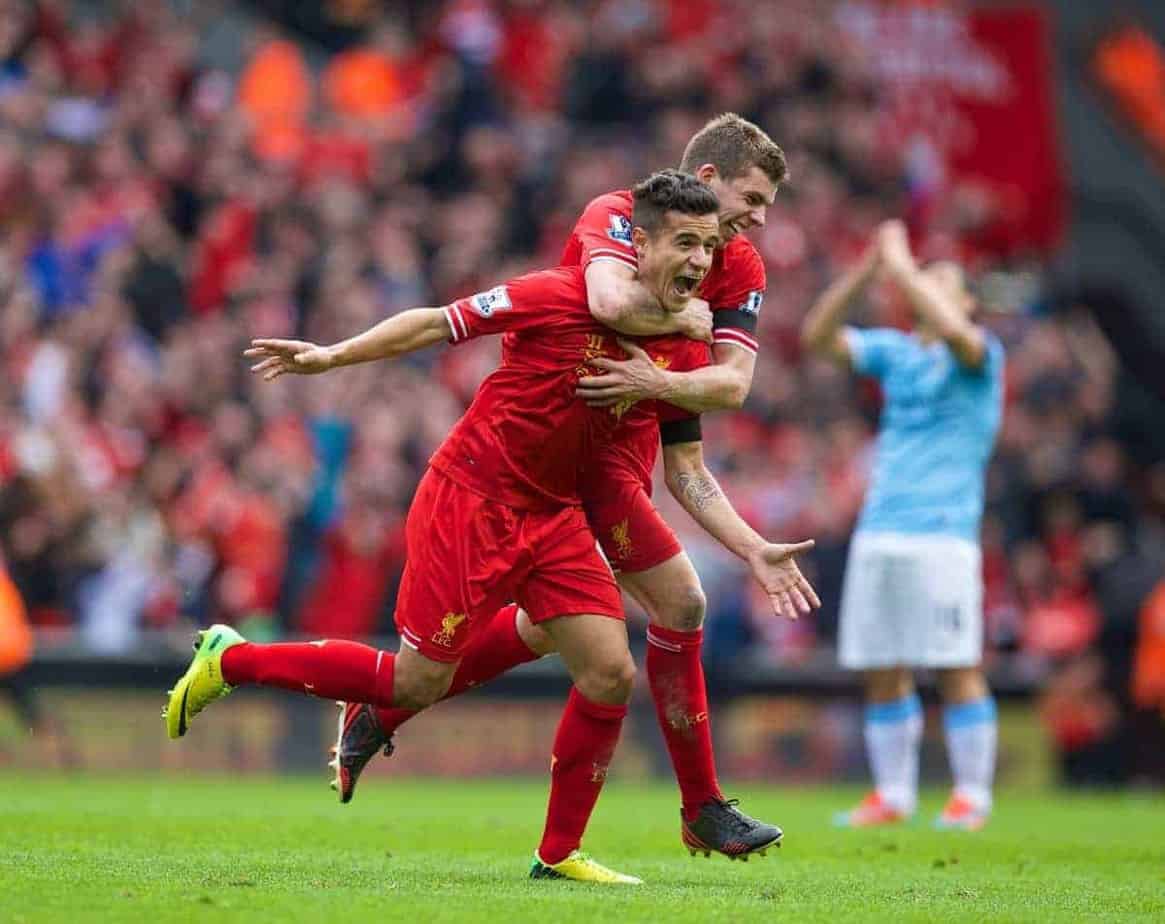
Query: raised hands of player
[[894, 245], [624, 380], [775, 569], [277, 357], [695, 320]]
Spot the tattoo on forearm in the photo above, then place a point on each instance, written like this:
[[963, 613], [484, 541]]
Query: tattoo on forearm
[[699, 491]]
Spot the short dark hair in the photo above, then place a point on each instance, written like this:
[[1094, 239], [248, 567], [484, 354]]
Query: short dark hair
[[733, 145], [670, 191]]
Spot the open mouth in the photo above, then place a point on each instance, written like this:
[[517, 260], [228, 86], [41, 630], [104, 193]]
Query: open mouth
[[685, 284]]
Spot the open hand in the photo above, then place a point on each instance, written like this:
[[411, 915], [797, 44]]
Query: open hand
[[280, 356], [894, 244], [695, 320], [625, 380], [775, 569]]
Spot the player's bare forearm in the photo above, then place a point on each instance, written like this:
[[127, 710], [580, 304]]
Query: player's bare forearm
[[403, 333], [773, 565], [408, 331], [699, 494], [618, 300], [621, 302], [719, 387], [821, 331], [634, 312], [935, 306], [936, 309]]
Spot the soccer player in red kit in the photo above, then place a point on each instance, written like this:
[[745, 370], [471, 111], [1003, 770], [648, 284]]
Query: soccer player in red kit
[[498, 517], [744, 167]]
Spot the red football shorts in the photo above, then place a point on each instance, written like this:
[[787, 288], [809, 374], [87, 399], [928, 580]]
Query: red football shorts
[[633, 534], [469, 556]]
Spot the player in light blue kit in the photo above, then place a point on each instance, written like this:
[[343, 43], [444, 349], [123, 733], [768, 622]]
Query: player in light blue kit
[[913, 592]]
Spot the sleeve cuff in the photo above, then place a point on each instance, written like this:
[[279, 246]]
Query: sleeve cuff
[[457, 325], [611, 255], [733, 337]]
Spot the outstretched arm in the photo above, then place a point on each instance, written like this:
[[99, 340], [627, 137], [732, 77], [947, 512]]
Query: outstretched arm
[[822, 330], [403, 333], [771, 563]]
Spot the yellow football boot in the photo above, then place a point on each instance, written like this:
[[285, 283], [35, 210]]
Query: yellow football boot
[[203, 682], [581, 868]]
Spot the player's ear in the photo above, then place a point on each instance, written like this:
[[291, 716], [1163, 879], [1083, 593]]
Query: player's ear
[[706, 173], [639, 238]]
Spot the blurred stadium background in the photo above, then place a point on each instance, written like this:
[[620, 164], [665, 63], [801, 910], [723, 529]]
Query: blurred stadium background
[[176, 177]]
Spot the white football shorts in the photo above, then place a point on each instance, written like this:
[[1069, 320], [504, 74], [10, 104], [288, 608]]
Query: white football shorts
[[911, 601]]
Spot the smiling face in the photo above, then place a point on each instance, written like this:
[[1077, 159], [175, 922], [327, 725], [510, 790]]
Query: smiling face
[[676, 257], [744, 200]]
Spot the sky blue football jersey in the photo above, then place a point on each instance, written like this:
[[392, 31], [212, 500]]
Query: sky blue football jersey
[[938, 426]]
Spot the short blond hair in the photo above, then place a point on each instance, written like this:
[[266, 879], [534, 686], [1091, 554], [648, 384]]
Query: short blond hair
[[733, 145]]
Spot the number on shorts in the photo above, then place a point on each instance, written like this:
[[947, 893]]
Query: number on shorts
[[950, 617]]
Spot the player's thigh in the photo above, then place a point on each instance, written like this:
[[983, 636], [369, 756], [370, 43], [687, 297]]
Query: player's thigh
[[536, 638], [461, 567], [571, 593], [874, 597], [631, 531], [595, 651], [567, 575], [670, 593]]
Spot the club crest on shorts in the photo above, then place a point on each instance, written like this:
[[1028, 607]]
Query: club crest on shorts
[[620, 229], [450, 623], [620, 535], [486, 303]]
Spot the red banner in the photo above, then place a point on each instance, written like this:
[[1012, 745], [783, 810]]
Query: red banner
[[973, 91]]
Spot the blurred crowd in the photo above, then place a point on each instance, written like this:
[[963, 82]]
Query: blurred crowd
[[159, 208]]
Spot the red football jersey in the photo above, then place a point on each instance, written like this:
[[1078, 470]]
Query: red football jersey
[[734, 288], [526, 439]]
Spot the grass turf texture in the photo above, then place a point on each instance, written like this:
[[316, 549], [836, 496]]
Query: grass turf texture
[[170, 849]]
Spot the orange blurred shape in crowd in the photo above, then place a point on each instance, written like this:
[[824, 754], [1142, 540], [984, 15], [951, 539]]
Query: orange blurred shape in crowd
[[1149, 662], [15, 635], [361, 82], [1131, 66], [275, 90]]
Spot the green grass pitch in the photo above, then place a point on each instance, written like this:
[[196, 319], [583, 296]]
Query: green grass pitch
[[219, 849]]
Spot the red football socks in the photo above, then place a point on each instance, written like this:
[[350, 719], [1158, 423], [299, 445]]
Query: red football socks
[[330, 669], [583, 747], [495, 651], [676, 676]]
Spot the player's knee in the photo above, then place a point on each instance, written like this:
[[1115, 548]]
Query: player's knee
[[885, 685], [685, 610], [608, 681], [414, 688], [962, 684]]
